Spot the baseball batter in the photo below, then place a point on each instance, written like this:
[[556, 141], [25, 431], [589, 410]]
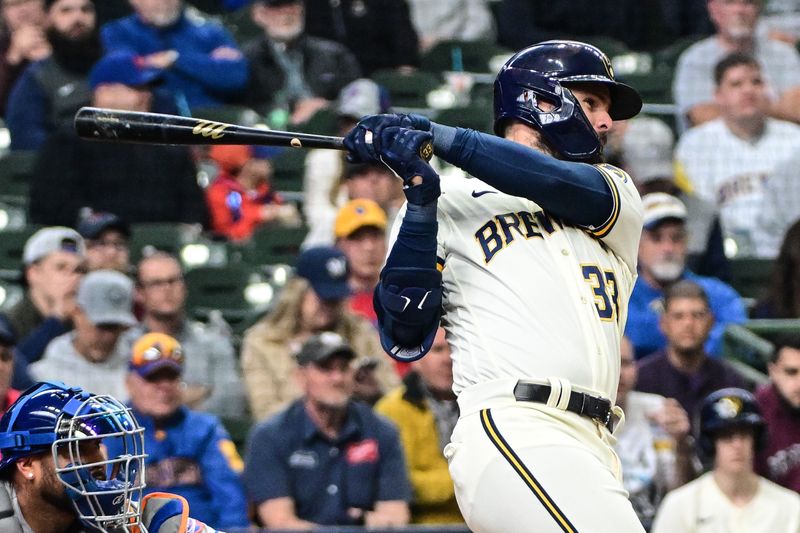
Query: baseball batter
[[529, 266]]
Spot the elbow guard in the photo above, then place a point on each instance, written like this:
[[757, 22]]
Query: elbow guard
[[408, 302]]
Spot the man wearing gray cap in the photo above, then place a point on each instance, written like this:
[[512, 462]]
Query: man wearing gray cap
[[53, 263], [91, 355]]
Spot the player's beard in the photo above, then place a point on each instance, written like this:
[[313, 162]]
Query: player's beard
[[54, 493], [76, 54], [667, 270]]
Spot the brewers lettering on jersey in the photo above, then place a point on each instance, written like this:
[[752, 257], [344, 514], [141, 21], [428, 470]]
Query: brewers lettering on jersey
[[528, 264]]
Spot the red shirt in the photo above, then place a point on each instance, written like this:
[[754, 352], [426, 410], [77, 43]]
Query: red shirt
[[236, 212], [779, 461], [11, 397]]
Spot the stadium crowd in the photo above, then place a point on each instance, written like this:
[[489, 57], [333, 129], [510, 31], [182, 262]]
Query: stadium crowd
[[295, 418]]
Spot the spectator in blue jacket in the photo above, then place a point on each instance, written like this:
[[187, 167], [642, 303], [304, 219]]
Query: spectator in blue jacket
[[188, 453], [325, 459], [204, 67], [662, 261]]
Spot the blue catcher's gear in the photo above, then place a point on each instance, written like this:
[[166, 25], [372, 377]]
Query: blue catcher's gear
[[540, 73], [77, 428], [725, 409]]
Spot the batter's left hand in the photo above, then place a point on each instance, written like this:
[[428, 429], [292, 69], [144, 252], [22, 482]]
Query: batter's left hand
[[364, 140]]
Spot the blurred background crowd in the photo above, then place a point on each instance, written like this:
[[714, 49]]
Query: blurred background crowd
[[227, 291]]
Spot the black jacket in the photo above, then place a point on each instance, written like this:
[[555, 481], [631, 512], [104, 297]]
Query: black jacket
[[378, 32], [138, 183], [327, 66]]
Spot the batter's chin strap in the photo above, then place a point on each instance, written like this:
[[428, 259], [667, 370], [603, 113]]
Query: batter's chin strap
[[408, 302]]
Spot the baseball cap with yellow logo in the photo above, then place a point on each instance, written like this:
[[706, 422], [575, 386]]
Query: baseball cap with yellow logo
[[357, 214], [155, 351]]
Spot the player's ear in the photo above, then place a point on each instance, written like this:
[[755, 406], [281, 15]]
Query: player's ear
[[26, 467]]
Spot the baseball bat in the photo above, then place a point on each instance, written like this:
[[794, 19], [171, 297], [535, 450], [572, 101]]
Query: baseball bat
[[114, 125]]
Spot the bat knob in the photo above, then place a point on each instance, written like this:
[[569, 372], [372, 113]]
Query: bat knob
[[426, 150]]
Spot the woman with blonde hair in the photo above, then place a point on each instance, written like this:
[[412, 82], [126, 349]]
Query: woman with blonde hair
[[313, 301]]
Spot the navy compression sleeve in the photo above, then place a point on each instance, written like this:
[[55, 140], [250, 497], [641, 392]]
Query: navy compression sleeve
[[575, 192]]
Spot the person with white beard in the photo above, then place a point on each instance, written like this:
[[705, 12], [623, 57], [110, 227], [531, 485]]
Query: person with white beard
[[662, 262]]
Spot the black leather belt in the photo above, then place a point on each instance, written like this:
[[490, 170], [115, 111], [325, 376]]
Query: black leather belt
[[579, 403]]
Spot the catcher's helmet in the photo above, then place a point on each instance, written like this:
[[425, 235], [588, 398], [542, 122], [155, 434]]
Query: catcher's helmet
[[540, 72], [89, 433], [725, 409]]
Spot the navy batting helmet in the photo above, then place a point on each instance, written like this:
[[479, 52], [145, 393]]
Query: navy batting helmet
[[725, 409], [540, 72], [72, 425]]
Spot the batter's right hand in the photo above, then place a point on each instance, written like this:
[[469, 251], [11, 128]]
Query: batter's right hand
[[399, 151], [364, 141]]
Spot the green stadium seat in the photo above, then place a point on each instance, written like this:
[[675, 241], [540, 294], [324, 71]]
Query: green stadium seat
[[750, 276], [408, 89], [272, 244], [477, 116], [164, 236], [238, 429], [466, 56], [323, 122], [12, 242], [752, 343], [748, 348], [16, 171], [654, 86], [11, 292], [239, 292], [287, 170]]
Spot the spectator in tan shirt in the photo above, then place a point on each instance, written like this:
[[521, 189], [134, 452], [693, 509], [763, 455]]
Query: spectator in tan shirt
[[313, 301]]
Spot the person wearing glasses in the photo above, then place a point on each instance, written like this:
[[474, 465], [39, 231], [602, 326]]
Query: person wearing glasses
[[212, 376], [107, 237]]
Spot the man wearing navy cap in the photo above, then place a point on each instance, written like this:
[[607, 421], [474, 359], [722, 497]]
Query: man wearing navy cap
[[106, 238], [326, 459], [137, 183], [312, 301]]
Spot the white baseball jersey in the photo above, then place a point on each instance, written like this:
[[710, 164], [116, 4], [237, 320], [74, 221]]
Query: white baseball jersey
[[701, 507], [527, 296], [731, 173]]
